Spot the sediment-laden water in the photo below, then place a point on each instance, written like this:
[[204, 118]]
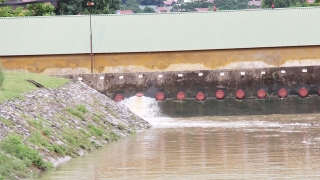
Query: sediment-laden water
[[229, 147]]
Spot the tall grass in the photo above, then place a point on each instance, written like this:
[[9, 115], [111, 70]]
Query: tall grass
[[15, 83]]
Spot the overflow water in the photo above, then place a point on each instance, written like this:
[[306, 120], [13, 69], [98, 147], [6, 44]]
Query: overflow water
[[219, 147], [144, 107]]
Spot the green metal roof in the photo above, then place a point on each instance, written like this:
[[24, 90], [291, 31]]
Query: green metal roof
[[160, 32]]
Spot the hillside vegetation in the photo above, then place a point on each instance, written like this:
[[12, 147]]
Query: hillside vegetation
[[43, 127]]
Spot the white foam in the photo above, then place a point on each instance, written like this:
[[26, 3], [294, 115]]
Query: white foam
[[144, 107]]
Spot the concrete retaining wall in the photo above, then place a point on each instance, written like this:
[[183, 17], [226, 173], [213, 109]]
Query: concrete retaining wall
[[208, 82], [250, 80], [167, 61]]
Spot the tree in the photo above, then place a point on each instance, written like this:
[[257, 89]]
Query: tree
[[6, 11], [131, 5], [148, 10], [281, 3], [41, 9], [150, 2], [75, 7]]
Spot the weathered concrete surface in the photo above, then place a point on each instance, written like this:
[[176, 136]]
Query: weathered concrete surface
[[232, 106], [270, 79], [167, 61], [250, 80]]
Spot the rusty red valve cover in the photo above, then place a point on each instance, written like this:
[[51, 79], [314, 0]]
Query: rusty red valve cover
[[118, 98], [139, 94], [282, 93], [261, 93], [160, 96], [240, 94], [303, 92], [200, 96], [181, 95], [90, 3], [220, 94]]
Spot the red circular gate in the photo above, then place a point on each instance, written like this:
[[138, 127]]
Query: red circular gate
[[303, 92], [118, 98], [282, 93], [261, 93], [240, 94], [200, 96], [160, 96], [181, 95], [220, 94]]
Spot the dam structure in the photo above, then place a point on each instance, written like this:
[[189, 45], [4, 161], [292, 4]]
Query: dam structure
[[195, 64]]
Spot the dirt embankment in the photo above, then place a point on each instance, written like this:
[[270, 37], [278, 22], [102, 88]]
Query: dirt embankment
[[64, 123]]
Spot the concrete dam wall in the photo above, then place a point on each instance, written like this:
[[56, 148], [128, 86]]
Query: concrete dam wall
[[194, 83], [217, 92]]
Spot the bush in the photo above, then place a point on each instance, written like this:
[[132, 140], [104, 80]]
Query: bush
[[95, 130], [46, 132], [82, 108], [13, 168], [14, 146]]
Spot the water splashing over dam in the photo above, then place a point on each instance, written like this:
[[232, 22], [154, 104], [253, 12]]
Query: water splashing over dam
[[144, 107]]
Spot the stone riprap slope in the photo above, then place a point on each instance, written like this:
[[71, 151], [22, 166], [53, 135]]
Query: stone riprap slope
[[66, 122]]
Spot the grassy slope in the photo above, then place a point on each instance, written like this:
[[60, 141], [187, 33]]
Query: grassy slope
[[15, 84], [18, 160]]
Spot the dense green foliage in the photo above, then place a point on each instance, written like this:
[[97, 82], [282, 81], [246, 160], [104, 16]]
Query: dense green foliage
[[71, 7], [13, 168], [74, 7], [40, 9], [148, 10], [131, 5], [231, 4], [14, 146]]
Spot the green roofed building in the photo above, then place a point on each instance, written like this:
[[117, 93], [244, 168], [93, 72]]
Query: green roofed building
[[162, 42]]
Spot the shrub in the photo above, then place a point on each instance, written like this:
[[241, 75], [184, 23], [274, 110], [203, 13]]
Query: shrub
[[82, 108], [14, 146], [95, 130], [46, 132]]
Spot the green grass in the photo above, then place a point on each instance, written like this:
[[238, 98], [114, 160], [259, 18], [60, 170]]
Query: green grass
[[76, 113], [14, 168], [82, 108], [7, 122], [94, 130], [14, 146], [15, 84]]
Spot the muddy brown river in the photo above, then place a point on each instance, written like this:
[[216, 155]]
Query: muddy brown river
[[242, 147]]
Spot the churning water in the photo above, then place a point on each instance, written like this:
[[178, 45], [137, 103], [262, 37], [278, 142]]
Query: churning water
[[218, 147], [144, 107]]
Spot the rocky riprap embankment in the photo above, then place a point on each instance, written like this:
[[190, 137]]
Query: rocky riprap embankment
[[67, 121]]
